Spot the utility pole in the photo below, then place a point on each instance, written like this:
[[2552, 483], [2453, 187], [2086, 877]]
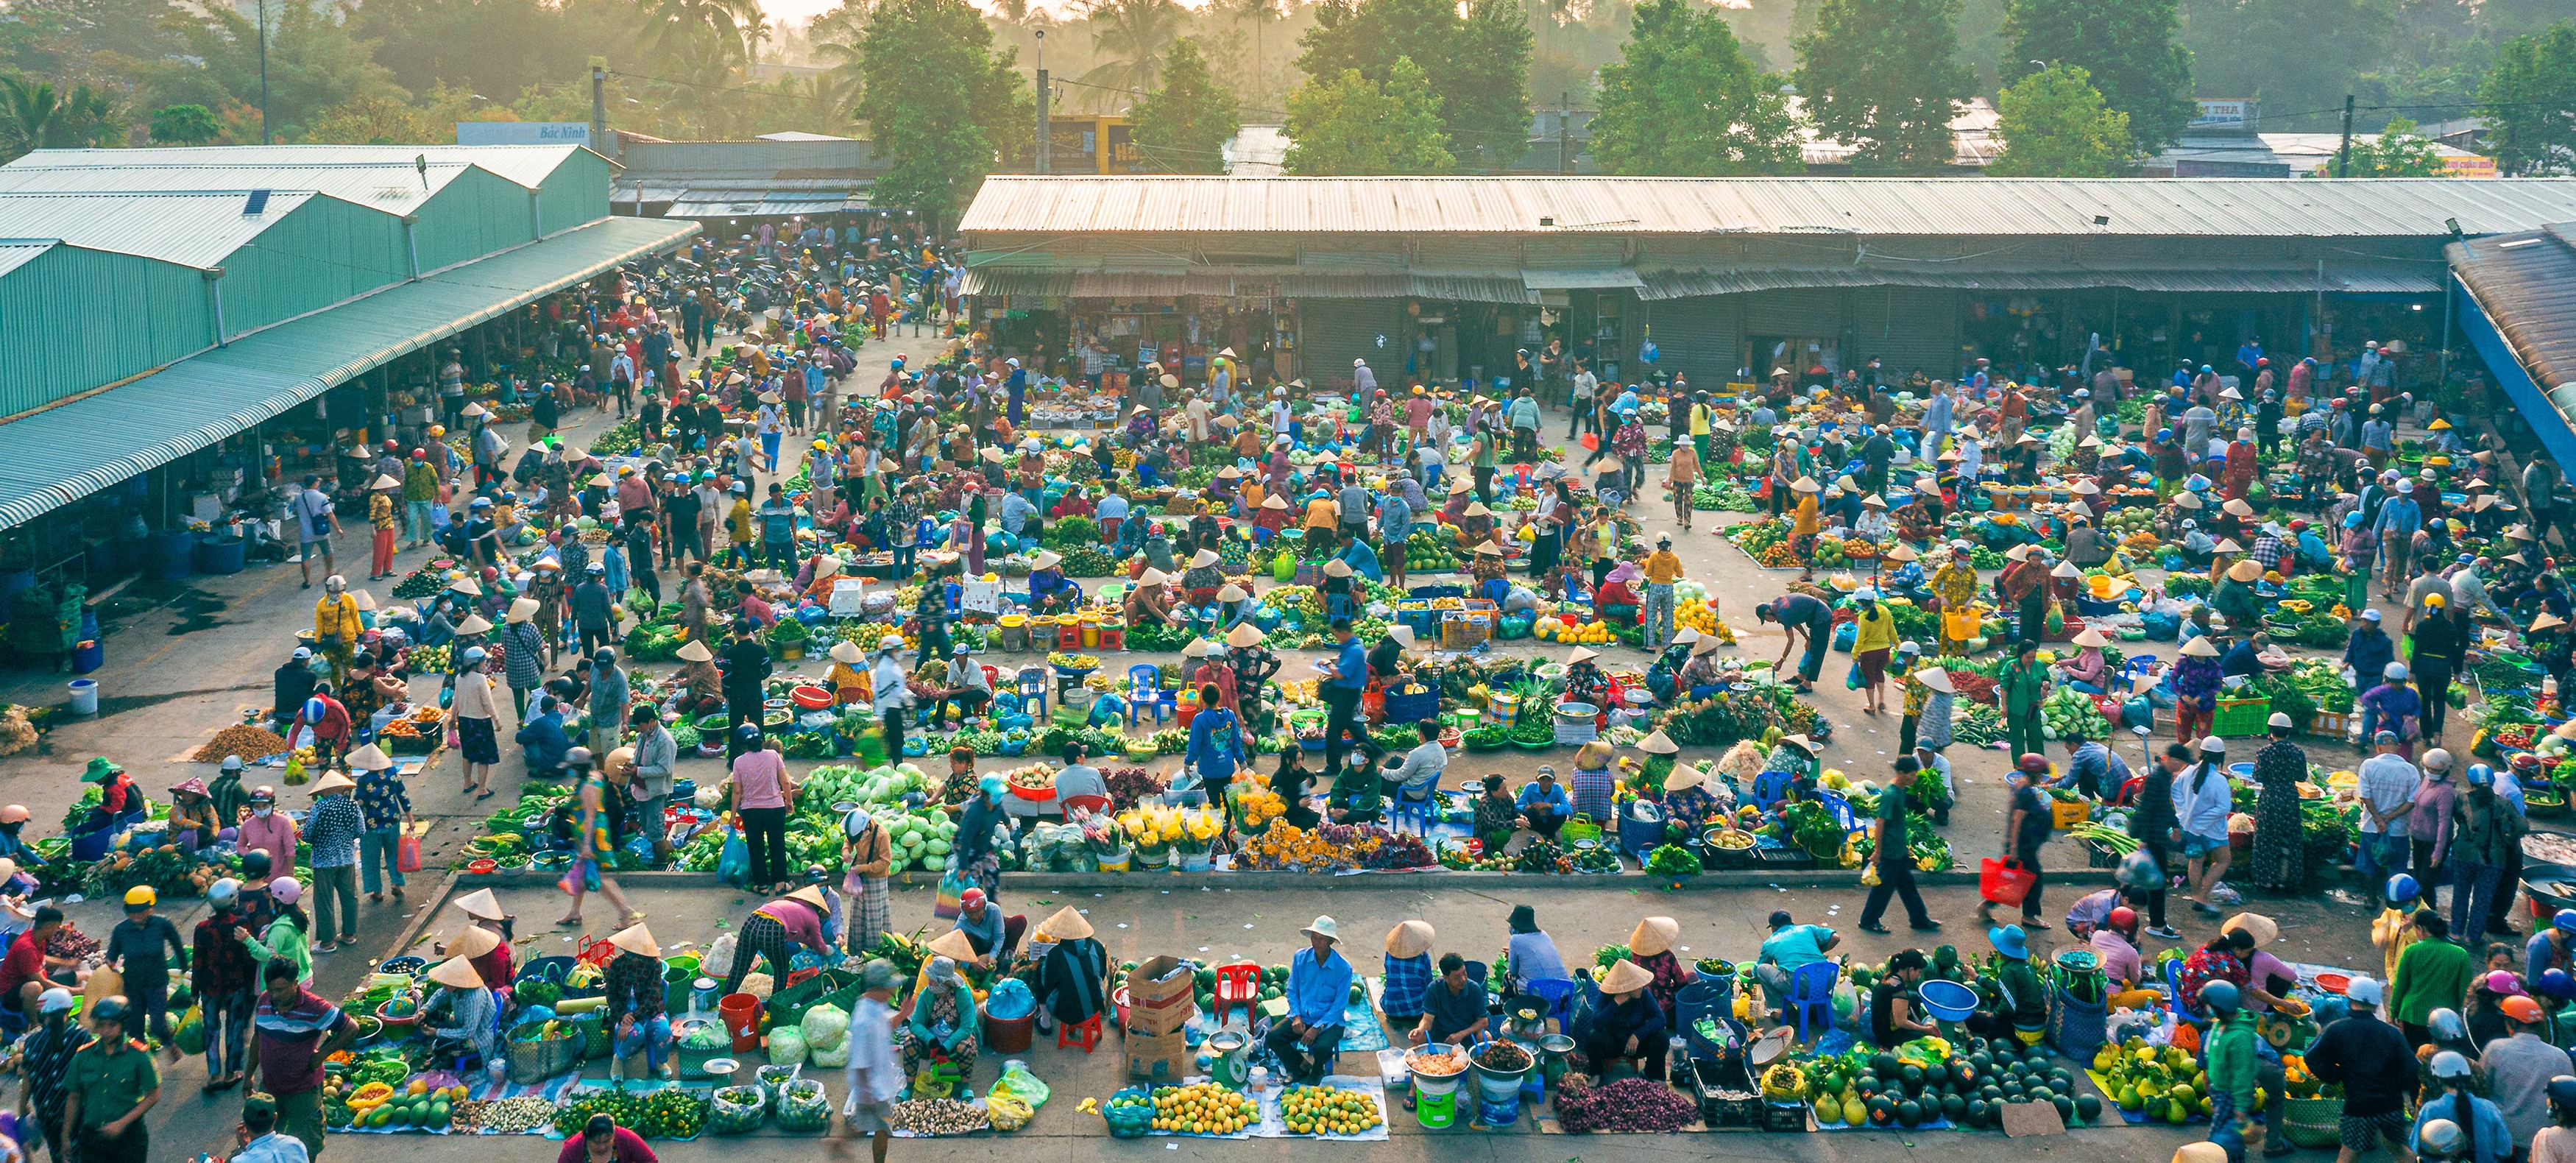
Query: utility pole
[[1564, 113], [1046, 135], [2343, 156], [263, 72], [599, 104]]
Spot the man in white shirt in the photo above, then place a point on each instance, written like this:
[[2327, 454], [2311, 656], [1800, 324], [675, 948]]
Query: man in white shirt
[[1363, 381], [873, 1080]]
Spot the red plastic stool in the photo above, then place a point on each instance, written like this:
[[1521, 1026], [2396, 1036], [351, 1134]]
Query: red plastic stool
[[1085, 1033]]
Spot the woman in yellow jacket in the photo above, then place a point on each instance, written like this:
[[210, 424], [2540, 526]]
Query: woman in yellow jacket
[[336, 625]]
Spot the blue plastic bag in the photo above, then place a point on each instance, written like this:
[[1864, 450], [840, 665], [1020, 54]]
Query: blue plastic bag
[[1009, 1000], [733, 861], [1845, 635]]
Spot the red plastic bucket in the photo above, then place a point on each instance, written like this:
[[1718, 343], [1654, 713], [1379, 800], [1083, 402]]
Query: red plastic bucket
[[741, 1015]]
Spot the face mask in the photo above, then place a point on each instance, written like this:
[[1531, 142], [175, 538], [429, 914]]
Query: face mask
[[261, 810]]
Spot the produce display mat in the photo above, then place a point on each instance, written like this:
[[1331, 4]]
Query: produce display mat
[[1548, 1125], [1269, 1105], [1273, 1126], [769, 1124], [551, 1090], [704, 1091], [2133, 1118]]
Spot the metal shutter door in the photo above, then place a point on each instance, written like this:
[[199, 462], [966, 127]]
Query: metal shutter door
[[1810, 313], [1697, 337], [1333, 332], [1909, 329]]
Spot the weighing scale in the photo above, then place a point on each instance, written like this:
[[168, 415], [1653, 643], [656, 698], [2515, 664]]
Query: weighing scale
[[1228, 1060]]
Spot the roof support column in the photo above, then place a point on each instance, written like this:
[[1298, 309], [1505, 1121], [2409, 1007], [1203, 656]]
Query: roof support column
[[411, 241]]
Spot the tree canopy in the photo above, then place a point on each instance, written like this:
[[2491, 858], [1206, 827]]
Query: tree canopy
[[1884, 75], [1684, 100], [1353, 126], [939, 103], [1183, 126], [2529, 100], [2131, 49], [1476, 63], [2055, 124]]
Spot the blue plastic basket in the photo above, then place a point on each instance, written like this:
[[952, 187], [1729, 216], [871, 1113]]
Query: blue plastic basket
[[1948, 1001]]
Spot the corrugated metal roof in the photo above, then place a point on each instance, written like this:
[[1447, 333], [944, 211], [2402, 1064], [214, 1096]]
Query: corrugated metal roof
[[1688, 284], [191, 229], [696, 203], [526, 165], [988, 282], [392, 189], [60, 455], [17, 254], [2153, 207], [2526, 285]]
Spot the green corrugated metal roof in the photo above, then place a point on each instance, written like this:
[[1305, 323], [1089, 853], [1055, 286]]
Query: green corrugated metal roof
[[528, 165], [63, 454], [191, 229]]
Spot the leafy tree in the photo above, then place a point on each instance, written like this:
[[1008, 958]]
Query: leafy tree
[[496, 48], [27, 110], [1884, 76], [1183, 126], [2299, 56], [313, 64], [375, 119], [1477, 63], [1132, 36], [2530, 102], [2131, 49], [1355, 126], [185, 125], [1683, 100], [1487, 91], [35, 115], [2055, 124], [939, 103], [2398, 152]]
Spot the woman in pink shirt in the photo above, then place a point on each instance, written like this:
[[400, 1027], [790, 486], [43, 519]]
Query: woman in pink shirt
[[268, 830], [762, 791]]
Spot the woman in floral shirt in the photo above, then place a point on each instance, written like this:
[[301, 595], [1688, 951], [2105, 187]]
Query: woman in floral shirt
[[1630, 443], [385, 805]]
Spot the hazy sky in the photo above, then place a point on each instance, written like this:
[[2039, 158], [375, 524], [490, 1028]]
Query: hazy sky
[[794, 11]]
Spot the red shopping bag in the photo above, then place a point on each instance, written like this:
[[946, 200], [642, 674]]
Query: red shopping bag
[[407, 854], [2004, 882]]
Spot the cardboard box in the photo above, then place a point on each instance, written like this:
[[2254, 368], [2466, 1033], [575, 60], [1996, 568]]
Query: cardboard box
[[1161, 996], [1159, 1058]]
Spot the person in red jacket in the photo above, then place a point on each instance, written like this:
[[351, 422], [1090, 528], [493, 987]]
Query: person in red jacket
[[603, 1141]]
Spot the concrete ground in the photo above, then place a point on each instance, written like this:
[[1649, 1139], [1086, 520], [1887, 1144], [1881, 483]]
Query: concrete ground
[[185, 658]]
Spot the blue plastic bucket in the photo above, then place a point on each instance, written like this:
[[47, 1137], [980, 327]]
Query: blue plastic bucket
[[1948, 1001]]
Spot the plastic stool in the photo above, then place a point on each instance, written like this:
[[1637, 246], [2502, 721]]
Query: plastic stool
[[1085, 1033]]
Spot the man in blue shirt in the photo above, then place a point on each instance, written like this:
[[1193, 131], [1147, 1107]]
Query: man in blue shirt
[[1345, 676], [777, 519], [1319, 989], [1543, 804], [2398, 521], [2094, 769], [1789, 948]]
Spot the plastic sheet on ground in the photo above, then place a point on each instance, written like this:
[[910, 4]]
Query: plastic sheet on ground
[[1273, 1126]]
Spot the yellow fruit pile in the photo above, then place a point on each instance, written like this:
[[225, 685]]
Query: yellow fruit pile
[[1698, 616], [1321, 1110], [1585, 634], [1203, 1108]]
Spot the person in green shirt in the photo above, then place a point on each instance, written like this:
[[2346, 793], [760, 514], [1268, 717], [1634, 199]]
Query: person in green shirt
[[2228, 1056], [112, 1083], [2024, 682], [2432, 974], [2026, 998]]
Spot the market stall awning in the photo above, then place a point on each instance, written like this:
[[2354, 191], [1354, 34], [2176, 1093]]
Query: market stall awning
[[57, 456], [771, 203], [2372, 280], [1608, 279]]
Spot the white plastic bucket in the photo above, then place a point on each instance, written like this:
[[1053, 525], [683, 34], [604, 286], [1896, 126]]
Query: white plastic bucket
[[84, 696]]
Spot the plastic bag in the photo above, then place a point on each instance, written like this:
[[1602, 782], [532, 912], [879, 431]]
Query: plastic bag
[[803, 1106], [952, 885], [190, 1037], [1010, 1000], [1027, 1086], [733, 861], [1007, 1111], [786, 1046], [828, 1025], [833, 1059]]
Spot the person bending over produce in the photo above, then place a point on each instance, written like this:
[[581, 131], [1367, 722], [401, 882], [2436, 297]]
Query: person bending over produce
[[636, 1017], [470, 1012]]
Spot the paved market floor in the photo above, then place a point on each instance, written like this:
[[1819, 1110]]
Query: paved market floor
[[185, 658]]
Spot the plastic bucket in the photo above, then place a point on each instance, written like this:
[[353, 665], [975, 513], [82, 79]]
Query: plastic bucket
[[741, 1015], [1499, 1086], [170, 556], [1504, 709], [1009, 1035], [84, 696], [90, 654], [220, 554]]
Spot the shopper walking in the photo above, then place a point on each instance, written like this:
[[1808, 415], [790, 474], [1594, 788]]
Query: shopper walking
[[334, 829], [385, 804], [295, 1034], [1893, 859], [225, 978], [44, 1071], [2280, 855], [762, 793]]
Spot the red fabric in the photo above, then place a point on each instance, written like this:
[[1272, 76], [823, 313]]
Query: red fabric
[[627, 1147], [25, 963]]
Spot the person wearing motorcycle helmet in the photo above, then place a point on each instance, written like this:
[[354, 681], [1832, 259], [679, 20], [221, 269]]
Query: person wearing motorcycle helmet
[[2477, 1124], [2115, 944], [2557, 1141], [2519, 1066], [2389, 931], [2552, 946], [2233, 1067], [222, 983]]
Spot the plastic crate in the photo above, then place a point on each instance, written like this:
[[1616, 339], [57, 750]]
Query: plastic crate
[[2070, 813], [2238, 718], [1462, 631], [2331, 724], [1421, 703], [1787, 1118], [1427, 593], [2099, 855]]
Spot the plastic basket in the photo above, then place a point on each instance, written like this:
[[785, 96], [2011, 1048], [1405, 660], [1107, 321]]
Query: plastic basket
[[1571, 732], [2076, 1027], [1413, 706], [2313, 1123], [2237, 718], [1580, 827]]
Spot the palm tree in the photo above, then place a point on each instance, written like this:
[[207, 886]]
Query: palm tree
[[1258, 12], [696, 32], [1132, 34], [30, 110]]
